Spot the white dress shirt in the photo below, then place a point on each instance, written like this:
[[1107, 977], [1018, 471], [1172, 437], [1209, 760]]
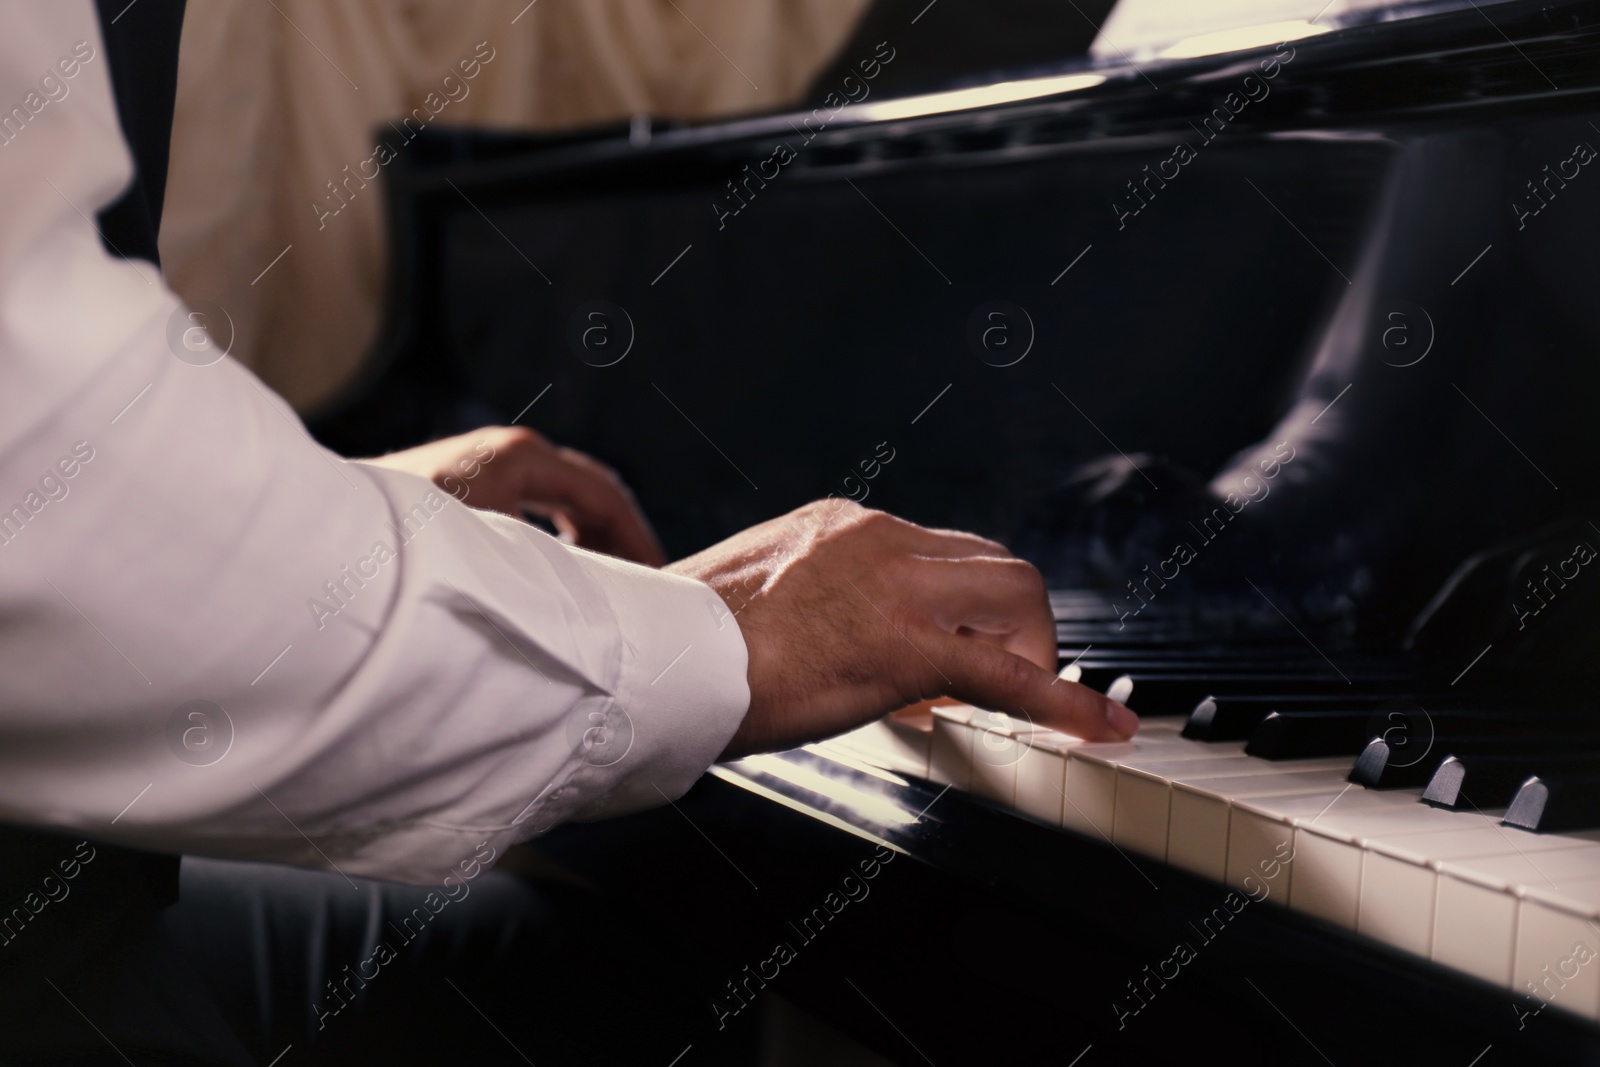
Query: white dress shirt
[[218, 637]]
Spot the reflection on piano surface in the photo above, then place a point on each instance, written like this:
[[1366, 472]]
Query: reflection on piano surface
[[1341, 569]]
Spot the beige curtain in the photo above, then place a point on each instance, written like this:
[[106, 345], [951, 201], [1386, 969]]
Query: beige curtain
[[276, 98]]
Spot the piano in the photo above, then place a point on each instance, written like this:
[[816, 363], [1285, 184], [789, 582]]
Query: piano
[[1361, 822]]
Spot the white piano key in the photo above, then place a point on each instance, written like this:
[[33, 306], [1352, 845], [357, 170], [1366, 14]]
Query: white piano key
[[1474, 927], [950, 749], [1235, 764], [1329, 854], [958, 728], [1042, 775], [1141, 820], [1475, 917], [1474, 895], [998, 744], [1092, 774], [1141, 793], [1261, 831], [1399, 877], [1533, 868], [1197, 830], [1558, 947]]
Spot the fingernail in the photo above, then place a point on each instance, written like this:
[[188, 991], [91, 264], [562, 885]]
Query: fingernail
[[1123, 721]]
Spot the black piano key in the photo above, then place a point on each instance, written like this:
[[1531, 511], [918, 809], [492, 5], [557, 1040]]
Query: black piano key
[[1232, 717], [1410, 762], [1310, 734], [1178, 694], [1384, 766], [1289, 733], [1195, 674], [1409, 753], [1221, 719], [1444, 787], [1490, 780], [1557, 803]]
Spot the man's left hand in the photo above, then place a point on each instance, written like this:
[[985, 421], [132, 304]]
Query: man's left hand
[[512, 469]]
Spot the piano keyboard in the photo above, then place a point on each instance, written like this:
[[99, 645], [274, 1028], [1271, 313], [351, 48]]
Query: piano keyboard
[[1448, 882]]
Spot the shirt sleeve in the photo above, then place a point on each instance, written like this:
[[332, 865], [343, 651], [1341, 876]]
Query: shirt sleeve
[[218, 637]]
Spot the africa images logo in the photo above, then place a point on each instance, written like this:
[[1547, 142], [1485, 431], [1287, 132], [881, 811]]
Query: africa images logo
[[1000, 333], [199, 732], [600, 333]]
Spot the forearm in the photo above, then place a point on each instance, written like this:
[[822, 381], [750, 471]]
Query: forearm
[[384, 676]]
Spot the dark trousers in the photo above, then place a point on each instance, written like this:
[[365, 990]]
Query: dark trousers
[[265, 964]]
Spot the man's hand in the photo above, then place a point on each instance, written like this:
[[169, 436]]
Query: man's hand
[[849, 613], [512, 469]]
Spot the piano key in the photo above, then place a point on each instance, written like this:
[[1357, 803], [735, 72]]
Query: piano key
[[1152, 693], [1291, 827], [1556, 803], [1444, 785], [998, 745], [1042, 775], [1092, 770], [1399, 876], [1099, 671], [1408, 755], [1261, 829], [1198, 821], [1223, 719], [979, 751], [1475, 918], [1141, 818], [1233, 716], [1041, 770], [1491, 779], [1298, 734], [1329, 852], [1383, 765], [950, 748], [1558, 947], [957, 729], [1306, 735]]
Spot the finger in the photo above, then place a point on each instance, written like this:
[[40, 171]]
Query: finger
[[461, 468], [989, 677], [1003, 600], [600, 510], [557, 518]]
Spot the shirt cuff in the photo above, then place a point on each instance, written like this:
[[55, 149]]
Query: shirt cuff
[[681, 695]]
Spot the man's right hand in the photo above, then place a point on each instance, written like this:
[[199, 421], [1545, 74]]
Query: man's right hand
[[849, 613]]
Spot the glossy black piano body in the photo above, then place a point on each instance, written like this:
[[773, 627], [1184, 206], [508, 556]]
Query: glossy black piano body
[[762, 341], [773, 335], [992, 939]]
